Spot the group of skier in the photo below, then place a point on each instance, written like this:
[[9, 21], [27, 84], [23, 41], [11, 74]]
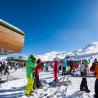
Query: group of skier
[[34, 67], [66, 66], [84, 70]]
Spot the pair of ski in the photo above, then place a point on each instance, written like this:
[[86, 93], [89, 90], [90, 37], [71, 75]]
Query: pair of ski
[[58, 85], [49, 85], [65, 83]]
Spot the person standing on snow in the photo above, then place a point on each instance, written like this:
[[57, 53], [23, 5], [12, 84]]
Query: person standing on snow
[[6, 70], [46, 66], [30, 66], [94, 68], [37, 71], [64, 64], [84, 70], [55, 67]]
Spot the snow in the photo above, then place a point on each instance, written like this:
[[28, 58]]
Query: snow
[[91, 48], [15, 88], [3, 58], [15, 56]]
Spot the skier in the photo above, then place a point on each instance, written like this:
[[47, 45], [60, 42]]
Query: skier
[[30, 66], [55, 67], [84, 70], [59, 65], [75, 66], [38, 83], [94, 68], [1, 68], [64, 64], [46, 66], [6, 71]]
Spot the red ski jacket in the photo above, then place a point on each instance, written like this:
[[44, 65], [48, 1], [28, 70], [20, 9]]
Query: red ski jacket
[[55, 67], [38, 67]]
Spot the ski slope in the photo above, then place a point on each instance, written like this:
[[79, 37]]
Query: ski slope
[[14, 88]]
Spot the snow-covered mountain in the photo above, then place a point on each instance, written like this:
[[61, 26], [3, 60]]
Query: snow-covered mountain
[[51, 55], [88, 49], [91, 48]]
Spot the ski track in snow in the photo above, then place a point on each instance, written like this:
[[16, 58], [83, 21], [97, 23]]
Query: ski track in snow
[[14, 88]]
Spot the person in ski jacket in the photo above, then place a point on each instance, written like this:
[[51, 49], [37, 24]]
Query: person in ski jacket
[[6, 71], [71, 65], [64, 64], [94, 68], [46, 66], [30, 66], [60, 65], [68, 69], [55, 67], [75, 66], [84, 70], [37, 71]]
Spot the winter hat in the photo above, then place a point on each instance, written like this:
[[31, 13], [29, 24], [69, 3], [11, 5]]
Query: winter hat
[[39, 60], [33, 57], [95, 60], [85, 62]]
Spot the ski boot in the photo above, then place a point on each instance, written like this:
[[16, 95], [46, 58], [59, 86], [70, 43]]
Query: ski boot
[[28, 93], [87, 91]]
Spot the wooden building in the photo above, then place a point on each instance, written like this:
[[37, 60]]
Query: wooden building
[[11, 38]]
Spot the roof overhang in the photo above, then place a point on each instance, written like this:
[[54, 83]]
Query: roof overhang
[[11, 38]]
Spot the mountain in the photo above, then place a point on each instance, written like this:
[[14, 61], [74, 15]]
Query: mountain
[[88, 50], [91, 48], [51, 55]]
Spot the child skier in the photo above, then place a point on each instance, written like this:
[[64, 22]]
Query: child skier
[[94, 68], [30, 66]]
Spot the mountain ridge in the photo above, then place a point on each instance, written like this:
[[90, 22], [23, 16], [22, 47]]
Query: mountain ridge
[[91, 48]]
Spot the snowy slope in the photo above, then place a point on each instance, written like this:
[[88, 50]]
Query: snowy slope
[[51, 55], [86, 51], [15, 88], [91, 48]]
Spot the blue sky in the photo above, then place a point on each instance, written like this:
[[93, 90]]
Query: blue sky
[[60, 25]]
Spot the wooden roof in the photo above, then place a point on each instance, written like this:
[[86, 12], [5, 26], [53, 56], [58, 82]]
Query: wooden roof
[[11, 38]]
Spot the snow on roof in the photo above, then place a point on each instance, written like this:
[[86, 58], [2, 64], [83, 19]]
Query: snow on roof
[[8, 25]]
